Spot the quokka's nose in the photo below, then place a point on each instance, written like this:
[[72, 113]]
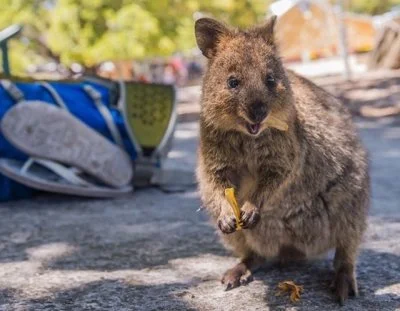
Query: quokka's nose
[[258, 112]]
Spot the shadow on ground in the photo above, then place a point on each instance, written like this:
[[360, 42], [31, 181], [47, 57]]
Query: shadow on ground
[[144, 230], [378, 272], [153, 251], [110, 295], [377, 92]]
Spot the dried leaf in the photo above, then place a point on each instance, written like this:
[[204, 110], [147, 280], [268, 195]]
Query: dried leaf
[[290, 287]]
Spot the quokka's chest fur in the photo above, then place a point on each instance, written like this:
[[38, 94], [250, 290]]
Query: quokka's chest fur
[[247, 162], [242, 154]]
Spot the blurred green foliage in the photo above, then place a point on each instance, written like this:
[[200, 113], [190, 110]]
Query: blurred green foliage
[[372, 7], [92, 31]]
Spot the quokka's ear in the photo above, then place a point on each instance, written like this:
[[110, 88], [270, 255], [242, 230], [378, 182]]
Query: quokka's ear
[[208, 34], [266, 30]]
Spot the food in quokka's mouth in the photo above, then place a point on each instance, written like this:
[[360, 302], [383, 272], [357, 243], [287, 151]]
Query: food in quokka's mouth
[[276, 123]]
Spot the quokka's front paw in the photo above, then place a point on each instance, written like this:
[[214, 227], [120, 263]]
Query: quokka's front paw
[[227, 223], [250, 216]]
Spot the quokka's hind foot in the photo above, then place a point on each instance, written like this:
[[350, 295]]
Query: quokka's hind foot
[[344, 283], [236, 276], [242, 273]]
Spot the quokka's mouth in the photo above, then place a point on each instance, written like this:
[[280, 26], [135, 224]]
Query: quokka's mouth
[[253, 129]]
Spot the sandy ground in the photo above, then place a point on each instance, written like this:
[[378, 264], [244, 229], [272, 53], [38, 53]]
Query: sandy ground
[[153, 251]]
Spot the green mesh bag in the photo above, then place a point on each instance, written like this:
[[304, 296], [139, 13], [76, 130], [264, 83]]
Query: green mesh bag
[[150, 116]]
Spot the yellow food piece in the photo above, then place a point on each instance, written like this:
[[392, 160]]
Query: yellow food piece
[[230, 196], [292, 288], [276, 123]]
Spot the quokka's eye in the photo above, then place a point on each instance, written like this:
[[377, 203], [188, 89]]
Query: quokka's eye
[[270, 80], [233, 83]]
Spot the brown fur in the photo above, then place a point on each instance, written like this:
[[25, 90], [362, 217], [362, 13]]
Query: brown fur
[[305, 189]]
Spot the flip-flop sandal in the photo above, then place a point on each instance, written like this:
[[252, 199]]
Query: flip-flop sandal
[[53, 177], [49, 132]]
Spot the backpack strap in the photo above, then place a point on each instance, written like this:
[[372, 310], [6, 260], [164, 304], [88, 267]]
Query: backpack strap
[[57, 98], [12, 90], [106, 114]]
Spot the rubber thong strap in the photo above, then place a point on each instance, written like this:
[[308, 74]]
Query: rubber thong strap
[[58, 169]]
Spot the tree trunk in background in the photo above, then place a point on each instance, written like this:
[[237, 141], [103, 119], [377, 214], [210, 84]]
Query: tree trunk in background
[[343, 46]]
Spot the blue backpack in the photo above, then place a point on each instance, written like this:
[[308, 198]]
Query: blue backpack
[[82, 99]]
